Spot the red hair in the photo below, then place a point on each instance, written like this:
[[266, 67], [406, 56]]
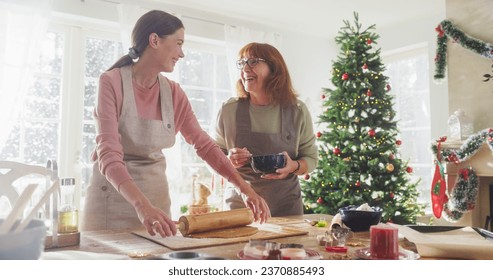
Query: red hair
[[278, 86]]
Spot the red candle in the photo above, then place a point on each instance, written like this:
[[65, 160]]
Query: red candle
[[384, 242]]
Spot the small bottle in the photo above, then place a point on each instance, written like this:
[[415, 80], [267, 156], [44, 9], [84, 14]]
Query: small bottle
[[68, 215]]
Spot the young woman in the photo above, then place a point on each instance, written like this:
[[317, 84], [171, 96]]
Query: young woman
[[138, 114]]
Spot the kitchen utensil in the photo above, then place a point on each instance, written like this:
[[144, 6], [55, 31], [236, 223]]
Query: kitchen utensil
[[18, 209], [189, 224], [40, 203]]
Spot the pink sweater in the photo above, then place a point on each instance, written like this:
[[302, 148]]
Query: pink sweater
[[109, 151]]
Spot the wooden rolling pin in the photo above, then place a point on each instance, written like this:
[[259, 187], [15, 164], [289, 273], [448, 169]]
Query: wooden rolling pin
[[189, 224]]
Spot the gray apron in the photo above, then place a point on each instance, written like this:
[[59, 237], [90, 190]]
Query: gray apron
[[142, 141], [282, 196]]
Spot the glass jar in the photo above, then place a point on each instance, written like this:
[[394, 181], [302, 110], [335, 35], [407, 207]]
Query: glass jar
[[68, 215], [460, 126]]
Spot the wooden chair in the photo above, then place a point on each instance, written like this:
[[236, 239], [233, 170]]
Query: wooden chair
[[12, 175]]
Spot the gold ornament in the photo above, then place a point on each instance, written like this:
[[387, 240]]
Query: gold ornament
[[390, 167]]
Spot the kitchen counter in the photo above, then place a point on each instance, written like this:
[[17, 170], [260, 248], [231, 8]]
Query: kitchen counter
[[128, 245]]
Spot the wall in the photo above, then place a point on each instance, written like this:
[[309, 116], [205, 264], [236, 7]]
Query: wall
[[466, 68], [465, 73], [419, 32]]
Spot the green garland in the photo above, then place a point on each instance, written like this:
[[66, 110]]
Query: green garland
[[468, 148], [445, 30], [464, 193]]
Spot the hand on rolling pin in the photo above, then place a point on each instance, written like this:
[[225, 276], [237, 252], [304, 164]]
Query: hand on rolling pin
[[156, 221], [239, 156], [257, 204]]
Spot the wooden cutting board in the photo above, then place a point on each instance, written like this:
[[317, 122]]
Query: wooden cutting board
[[266, 231]]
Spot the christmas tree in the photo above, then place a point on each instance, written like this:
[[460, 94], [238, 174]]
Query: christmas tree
[[359, 161]]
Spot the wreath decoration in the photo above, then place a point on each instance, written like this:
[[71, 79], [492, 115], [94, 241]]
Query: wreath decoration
[[463, 196], [447, 29]]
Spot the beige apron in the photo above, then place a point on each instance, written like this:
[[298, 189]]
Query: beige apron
[[142, 141], [282, 196]]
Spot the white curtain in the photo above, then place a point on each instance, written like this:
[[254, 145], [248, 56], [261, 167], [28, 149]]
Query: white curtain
[[236, 37], [22, 28]]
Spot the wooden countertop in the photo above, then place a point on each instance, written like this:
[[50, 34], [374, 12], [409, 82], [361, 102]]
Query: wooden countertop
[[127, 244]]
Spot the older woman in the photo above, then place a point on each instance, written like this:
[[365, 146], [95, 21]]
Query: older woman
[[265, 118]]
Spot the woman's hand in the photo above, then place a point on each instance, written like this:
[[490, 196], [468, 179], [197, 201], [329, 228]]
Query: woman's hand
[[260, 209], [257, 204], [281, 173], [156, 221], [239, 156], [153, 218]]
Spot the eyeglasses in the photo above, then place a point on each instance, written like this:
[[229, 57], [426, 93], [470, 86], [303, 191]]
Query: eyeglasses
[[252, 62]]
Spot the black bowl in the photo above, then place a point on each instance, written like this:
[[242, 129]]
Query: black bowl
[[268, 163], [359, 220]]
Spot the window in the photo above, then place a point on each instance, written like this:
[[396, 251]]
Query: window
[[34, 138], [57, 115], [408, 73], [203, 75]]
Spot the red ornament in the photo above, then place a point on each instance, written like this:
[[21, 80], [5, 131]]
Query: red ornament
[[320, 200], [388, 87], [365, 66], [345, 76], [319, 134], [336, 151], [368, 92], [409, 169], [357, 184], [398, 142], [391, 156], [371, 133], [307, 176], [369, 41], [391, 195], [323, 96]]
